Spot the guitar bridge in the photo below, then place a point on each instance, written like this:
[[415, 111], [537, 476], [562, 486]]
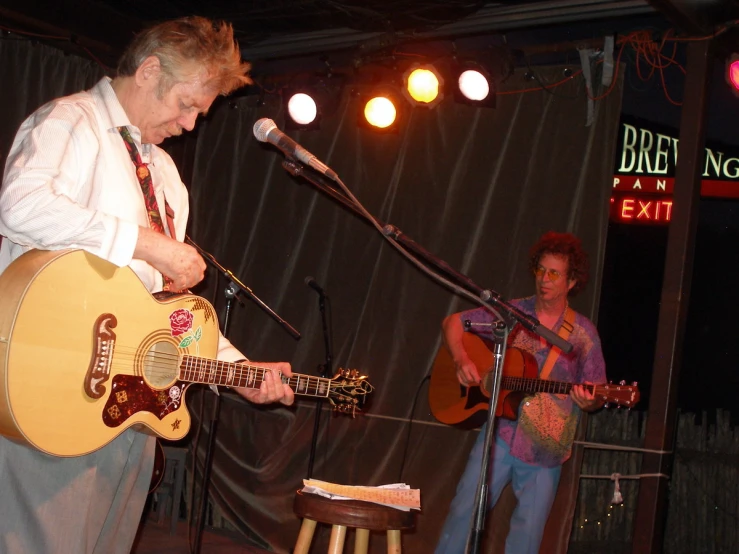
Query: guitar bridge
[[98, 372]]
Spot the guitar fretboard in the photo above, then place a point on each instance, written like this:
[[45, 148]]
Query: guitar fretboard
[[214, 372], [538, 385]]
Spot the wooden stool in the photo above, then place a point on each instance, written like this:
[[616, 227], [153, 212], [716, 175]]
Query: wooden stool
[[364, 516]]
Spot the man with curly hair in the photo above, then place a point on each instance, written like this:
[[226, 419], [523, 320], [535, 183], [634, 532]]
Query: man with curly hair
[[85, 172], [529, 452]]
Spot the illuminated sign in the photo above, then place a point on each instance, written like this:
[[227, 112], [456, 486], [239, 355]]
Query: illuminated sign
[[641, 209], [646, 157], [644, 172], [665, 185]]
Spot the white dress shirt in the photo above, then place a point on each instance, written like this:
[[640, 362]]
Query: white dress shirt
[[69, 182]]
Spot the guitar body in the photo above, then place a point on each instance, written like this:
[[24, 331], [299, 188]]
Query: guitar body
[[453, 403], [87, 352]]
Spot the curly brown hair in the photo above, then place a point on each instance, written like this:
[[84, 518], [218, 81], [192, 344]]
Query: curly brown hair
[[189, 44], [568, 246]]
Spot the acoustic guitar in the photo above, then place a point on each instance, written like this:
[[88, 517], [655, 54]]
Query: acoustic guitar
[[453, 403], [87, 352]]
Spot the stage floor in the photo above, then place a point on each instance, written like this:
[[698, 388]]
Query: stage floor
[[154, 538]]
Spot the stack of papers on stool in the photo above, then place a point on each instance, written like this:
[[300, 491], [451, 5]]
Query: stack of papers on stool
[[398, 495]]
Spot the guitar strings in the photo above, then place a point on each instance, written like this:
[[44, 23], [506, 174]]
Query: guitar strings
[[532, 384], [162, 364], [620, 394]]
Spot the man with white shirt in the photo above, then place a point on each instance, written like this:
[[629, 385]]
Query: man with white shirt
[[85, 172]]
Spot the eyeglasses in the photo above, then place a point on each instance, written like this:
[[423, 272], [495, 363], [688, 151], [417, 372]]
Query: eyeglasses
[[553, 274]]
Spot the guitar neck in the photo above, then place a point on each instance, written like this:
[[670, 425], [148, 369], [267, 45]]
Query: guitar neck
[[539, 385], [194, 369]]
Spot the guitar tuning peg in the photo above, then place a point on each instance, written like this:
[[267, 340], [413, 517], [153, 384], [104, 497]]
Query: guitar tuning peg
[[634, 383], [622, 382], [607, 405]]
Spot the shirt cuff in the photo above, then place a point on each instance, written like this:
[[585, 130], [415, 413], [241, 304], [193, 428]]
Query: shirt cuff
[[120, 250]]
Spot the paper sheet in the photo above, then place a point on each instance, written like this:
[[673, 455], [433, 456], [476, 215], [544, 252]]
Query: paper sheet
[[396, 495]]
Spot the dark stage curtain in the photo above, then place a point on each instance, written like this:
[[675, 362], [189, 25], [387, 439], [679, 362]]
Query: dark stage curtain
[[476, 187], [31, 75]]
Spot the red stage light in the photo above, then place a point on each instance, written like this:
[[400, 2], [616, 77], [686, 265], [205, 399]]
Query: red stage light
[[732, 72]]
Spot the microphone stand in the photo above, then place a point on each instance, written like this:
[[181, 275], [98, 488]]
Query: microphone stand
[[232, 290], [326, 372], [509, 316], [500, 335]]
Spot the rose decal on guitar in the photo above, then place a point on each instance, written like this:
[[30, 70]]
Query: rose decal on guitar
[[180, 322]]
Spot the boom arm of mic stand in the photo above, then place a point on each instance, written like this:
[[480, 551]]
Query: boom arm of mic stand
[[531, 323], [491, 298], [240, 287]]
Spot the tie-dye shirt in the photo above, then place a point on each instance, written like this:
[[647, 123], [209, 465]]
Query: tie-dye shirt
[[543, 433]]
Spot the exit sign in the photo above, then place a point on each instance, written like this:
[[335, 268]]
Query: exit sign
[[641, 209]]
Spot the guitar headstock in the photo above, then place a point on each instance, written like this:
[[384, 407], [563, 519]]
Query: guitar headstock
[[348, 390], [620, 394]]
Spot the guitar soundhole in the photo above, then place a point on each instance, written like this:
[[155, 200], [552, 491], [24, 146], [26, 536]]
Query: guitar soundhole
[[160, 364], [486, 384]]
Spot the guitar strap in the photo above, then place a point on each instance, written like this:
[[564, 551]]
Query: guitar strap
[[147, 188], [568, 325]]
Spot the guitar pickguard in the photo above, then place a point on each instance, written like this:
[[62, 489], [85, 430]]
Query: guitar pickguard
[[473, 397], [130, 395]]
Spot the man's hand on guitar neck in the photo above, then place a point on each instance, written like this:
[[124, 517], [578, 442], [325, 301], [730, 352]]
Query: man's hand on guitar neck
[[585, 399], [272, 388]]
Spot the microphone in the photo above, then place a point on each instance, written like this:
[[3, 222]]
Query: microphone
[[311, 282], [265, 130]]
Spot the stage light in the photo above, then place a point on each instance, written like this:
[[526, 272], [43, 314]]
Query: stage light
[[472, 84], [381, 109], [380, 112], [302, 108], [732, 73], [423, 85]]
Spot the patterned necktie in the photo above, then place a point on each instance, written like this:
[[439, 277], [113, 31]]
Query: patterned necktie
[[150, 199]]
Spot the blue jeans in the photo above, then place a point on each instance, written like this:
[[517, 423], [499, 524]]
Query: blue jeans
[[534, 487]]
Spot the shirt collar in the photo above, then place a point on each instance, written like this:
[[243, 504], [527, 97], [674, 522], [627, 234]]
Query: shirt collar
[[115, 116]]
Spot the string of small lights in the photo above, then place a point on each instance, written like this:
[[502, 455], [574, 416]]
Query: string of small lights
[[600, 520], [617, 499]]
